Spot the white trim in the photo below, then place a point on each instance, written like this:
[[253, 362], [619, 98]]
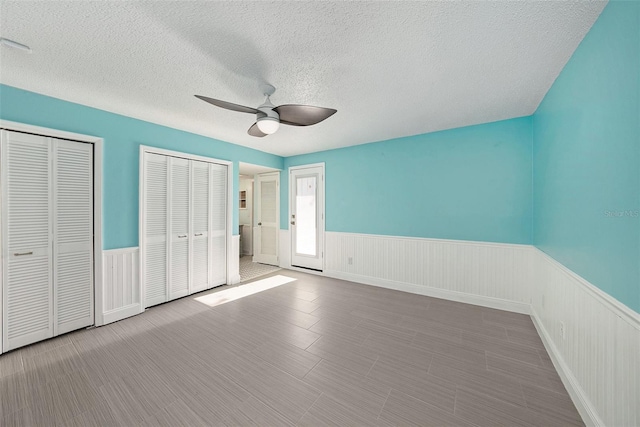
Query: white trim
[[284, 255], [497, 303], [322, 209], [620, 310], [141, 209], [120, 250], [578, 396], [179, 154], [430, 239], [97, 200], [234, 262], [121, 313]]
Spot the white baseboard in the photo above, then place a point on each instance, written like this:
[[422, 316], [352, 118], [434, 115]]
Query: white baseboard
[[499, 304], [480, 273], [122, 313], [575, 390], [598, 357], [233, 276]]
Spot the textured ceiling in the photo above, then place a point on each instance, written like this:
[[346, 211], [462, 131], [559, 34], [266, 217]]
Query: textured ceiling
[[391, 69]]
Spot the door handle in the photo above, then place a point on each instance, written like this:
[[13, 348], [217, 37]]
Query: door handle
[[259, 223], [293, 223], [198, 234], [23, 253], [181, 236]]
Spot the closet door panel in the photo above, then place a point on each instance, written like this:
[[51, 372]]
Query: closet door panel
[[200, 226], [218, 218], [155, 225], [179, 211], [27, 292], [73, 235]]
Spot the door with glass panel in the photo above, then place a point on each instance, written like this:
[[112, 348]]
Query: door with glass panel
[[306, 222]]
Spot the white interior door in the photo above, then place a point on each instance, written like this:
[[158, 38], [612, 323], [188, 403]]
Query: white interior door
[[155, 224], [265, 248], [218, 224], [179, 228], [306, 186], [200, 209], [72, 235], [27, 231]]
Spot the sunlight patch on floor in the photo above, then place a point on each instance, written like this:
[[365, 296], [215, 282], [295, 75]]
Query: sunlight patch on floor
[[232, 294]]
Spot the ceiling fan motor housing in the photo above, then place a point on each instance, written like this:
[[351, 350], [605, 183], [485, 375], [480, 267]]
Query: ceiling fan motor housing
[[267, 119]]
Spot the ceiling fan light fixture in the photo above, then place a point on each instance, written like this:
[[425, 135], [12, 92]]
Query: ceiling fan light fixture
[[268, 125]]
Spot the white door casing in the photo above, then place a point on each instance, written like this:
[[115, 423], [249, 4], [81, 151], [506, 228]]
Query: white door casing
[[306, 216], [267, 199]]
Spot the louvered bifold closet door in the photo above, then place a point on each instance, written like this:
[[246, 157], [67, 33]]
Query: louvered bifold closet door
[[26, 227], [199, 226], [179, 232], [156, 226], [218, 221], [72, 235]]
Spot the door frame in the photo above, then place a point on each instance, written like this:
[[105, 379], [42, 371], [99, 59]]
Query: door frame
[[97, 207], [321, 225], [141, 208]]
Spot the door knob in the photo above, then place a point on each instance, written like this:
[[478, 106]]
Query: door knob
[[259, 223]]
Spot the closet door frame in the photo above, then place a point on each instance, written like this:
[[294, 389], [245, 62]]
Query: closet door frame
[[142, 217], [97, 207]]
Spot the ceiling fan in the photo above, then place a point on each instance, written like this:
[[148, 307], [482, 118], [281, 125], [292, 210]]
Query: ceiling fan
[[269, 117]]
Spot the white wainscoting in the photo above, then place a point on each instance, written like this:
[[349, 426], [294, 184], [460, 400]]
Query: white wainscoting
[[599, 356], [234, 262], [488, 274], [284, 249], [121, 284]]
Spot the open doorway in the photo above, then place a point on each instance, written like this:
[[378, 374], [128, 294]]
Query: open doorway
[[258, 220]]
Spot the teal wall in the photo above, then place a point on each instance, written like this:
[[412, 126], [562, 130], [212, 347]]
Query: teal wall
[[566, 179], [586, 136], [122, 139], [471, 183]]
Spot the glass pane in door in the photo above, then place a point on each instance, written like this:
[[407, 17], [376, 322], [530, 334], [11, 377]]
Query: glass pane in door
[[306, 221]]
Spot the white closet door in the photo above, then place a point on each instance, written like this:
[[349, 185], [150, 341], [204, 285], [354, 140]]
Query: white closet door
[[26, 221], [179, 232], [155, 228], [200, 226], [72, 235], [218, 218]]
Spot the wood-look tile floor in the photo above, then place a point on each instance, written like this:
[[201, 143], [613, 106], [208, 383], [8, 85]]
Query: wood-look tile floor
[[314, 352]]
